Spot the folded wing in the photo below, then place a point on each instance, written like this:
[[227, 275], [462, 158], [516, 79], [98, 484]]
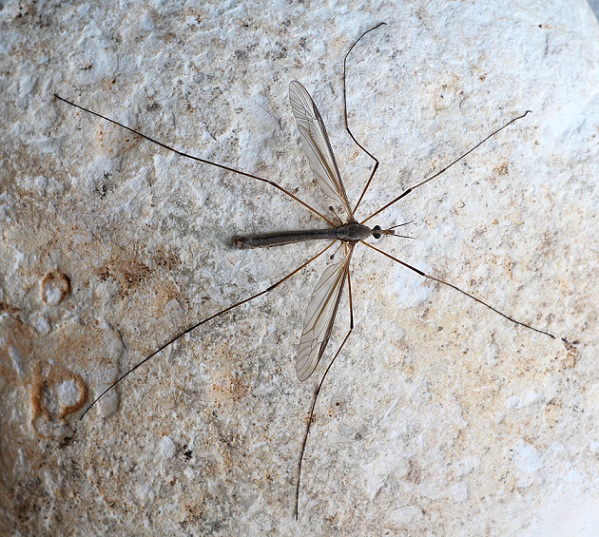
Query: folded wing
[[320, 316], [316, 144]]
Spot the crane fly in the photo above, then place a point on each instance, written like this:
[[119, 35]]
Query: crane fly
[[324, 303]]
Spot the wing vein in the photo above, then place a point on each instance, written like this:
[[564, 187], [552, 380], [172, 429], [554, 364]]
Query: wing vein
[[317, 146], [320, 316]]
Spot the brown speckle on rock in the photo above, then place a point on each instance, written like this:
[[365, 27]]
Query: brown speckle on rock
[[55, 286]]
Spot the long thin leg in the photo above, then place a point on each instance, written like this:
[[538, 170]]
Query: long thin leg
[[376, 162], [198, 159], [315, 398], [424, 275], [200, 323], [411, 189]]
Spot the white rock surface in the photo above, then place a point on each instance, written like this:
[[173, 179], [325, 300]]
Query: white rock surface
[[440, 417]]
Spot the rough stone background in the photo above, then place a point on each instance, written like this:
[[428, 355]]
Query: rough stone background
[[440, 417]]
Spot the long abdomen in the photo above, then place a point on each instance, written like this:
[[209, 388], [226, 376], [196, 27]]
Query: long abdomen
[[284, 237]]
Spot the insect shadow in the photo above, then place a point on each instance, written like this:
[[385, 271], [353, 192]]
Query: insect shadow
[[324, 304]]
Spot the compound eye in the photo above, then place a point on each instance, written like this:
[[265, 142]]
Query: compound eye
[[376, 232]]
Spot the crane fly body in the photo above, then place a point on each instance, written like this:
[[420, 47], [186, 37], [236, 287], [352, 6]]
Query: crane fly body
[[323, 306]]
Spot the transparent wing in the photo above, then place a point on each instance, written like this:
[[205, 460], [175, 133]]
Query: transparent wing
[[316, 144], [320, 317]]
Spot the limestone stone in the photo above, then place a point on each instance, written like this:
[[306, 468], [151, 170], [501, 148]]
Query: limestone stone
[[440, 417]]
